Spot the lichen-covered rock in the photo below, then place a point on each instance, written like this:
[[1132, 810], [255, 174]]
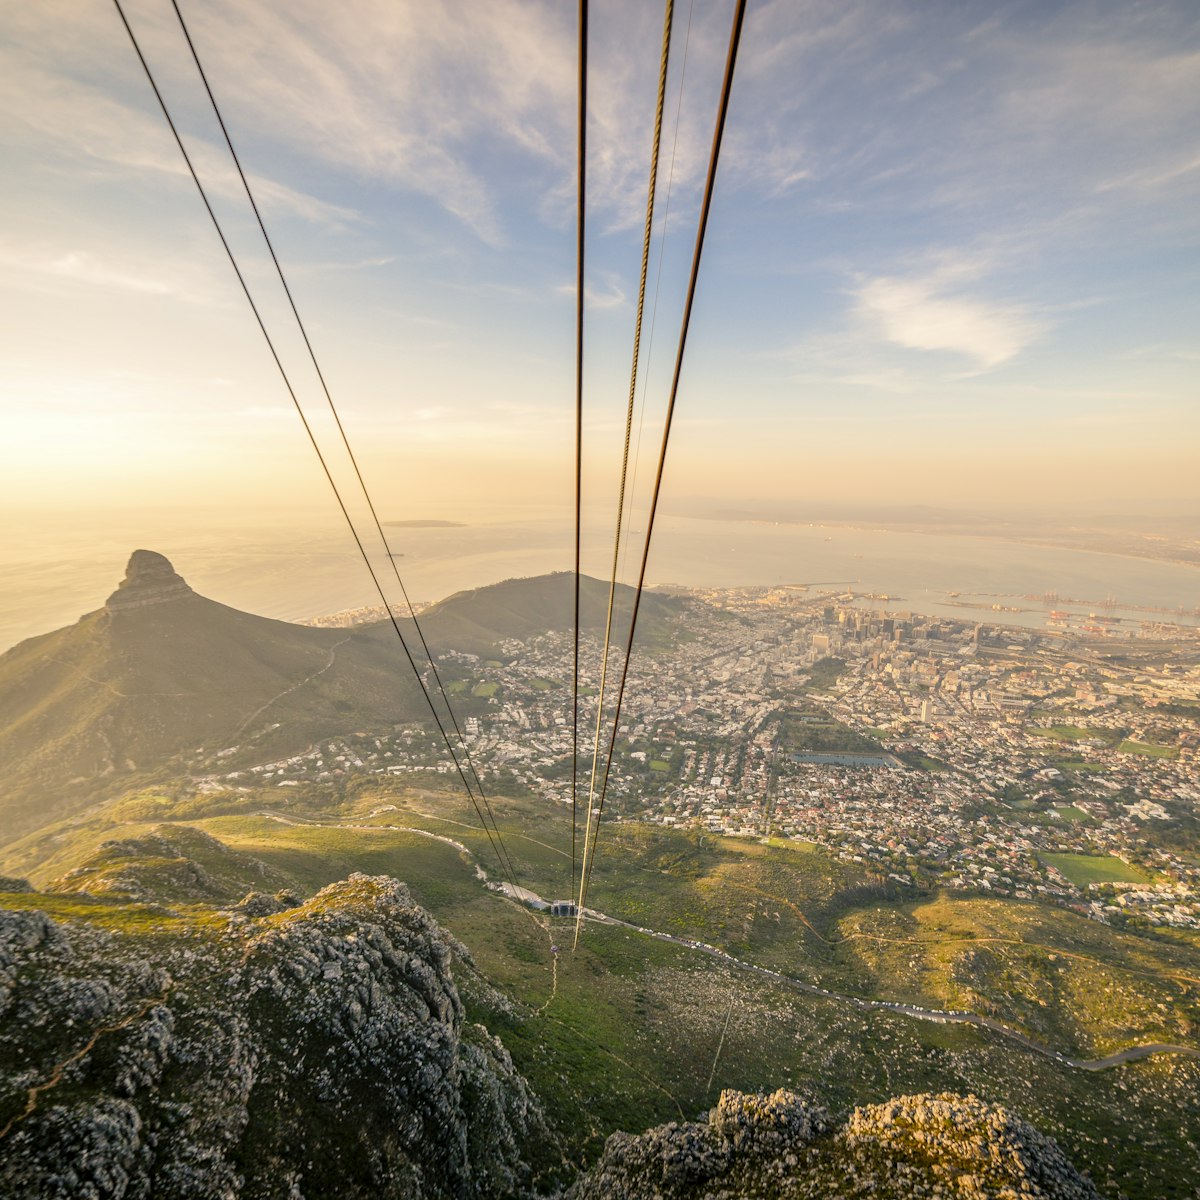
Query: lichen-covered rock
[[975, 1149], [175, 864], [9, 883], [366, 982], [303, 1052], [96, 1147], [779, 1146], [748, 1141], [259, 904]]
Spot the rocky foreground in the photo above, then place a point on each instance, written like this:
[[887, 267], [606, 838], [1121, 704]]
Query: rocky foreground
[[161, 1039], [316, 1050], [780, 1146]]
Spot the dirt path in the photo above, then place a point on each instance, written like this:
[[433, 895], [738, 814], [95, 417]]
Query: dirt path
[[288, 691]]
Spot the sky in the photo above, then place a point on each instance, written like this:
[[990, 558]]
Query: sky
[[952, 257]]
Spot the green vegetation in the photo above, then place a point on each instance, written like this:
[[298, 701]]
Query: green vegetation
[[824, 673], [316, 855], [1082, 869], [792, 844], [1077, 733], [113, 914], [633, 1023], [1068, 812], [1076, 766], [1148, 748], [485, 691], [812, 729], [922, 762]]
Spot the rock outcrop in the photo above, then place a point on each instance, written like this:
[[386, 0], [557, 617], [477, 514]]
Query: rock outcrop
[[149, 579], [316, 1051], [782, 1146], [173, 864]]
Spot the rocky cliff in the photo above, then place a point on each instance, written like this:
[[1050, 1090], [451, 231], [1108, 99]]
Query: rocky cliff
[[149, 579], [781, 1146], [174, 1023], [264, 1051]]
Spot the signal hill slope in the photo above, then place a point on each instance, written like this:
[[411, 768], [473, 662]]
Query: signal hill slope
[[475, 620], [161, 675]]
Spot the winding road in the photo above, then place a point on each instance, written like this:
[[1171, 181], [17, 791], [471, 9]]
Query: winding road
[[936, 1015]]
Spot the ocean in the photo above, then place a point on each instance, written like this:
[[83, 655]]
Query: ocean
[[279, 566]]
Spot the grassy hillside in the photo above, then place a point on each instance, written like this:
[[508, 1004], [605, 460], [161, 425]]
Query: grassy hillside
[[125, 692], [634, 1023]]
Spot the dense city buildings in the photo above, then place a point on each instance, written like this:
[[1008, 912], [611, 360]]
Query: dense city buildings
[[1060, 762]]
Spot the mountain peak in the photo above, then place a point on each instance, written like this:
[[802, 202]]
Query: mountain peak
[[149, 579]]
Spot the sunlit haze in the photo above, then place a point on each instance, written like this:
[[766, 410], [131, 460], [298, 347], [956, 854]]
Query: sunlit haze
[[952, 255]]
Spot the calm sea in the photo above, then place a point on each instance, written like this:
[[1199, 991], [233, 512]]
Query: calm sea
[[279, 568]]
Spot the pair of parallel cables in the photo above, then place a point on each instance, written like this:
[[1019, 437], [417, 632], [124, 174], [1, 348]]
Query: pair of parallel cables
[[476, 794], [596, 798]]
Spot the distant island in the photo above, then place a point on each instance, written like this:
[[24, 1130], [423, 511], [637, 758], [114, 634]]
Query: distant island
[[421, 524]]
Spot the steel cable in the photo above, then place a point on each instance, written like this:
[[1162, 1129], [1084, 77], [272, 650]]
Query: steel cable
[[501, 857], [706, 206]]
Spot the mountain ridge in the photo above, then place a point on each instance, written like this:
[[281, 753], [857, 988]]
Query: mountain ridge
[[160, 670], [161, 677]]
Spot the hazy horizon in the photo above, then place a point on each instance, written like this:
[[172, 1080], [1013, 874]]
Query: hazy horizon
[[282, 565]]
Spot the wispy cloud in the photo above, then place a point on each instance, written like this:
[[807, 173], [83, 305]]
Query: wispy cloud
[[86, 268], [42, 268], [931, 313], [605, 294], [913, 111], [864, 140], [1154, 176], [400, 93], [360, 264], [45, 107], [898, 382]]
